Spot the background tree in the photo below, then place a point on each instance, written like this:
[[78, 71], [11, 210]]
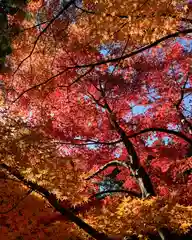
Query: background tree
[[12, 13]]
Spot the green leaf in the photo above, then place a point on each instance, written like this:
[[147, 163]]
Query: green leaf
[[28, 16]]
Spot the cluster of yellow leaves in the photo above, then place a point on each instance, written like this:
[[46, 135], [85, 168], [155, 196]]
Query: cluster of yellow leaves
[[34, 5], [127, 216], [120, 217], [23, 221], [38, 160], [138, 22]]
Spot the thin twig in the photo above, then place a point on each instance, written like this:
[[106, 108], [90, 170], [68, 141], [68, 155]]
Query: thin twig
[[68, 4], [109, 164], [16, 204], [131, 193], [133, 53], [52, 199], [88, 142], [157, 129], [126, 16]]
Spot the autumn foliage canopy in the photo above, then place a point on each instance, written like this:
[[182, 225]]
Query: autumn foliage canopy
[[95, 119]]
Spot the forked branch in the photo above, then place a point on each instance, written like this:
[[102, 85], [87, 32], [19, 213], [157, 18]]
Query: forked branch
[[109, 164]]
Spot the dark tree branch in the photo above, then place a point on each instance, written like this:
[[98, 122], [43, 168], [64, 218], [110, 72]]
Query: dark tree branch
[[50, 79], [138, 171], [77, 79], [153, 129], [186, 20], [97, 101], [52, 199], [133, 53], [68, 4], [183, 91], [89, 142], [130, 193], [16, 204], [109, 164], [132, 162], [39, 85], [137, 51], [34, 26]]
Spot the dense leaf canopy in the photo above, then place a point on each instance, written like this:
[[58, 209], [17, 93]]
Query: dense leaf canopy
[[95, 119]]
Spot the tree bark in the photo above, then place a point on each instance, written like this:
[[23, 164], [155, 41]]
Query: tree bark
[[51, 198]]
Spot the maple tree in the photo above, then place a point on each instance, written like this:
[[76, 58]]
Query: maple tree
[[69, 131]]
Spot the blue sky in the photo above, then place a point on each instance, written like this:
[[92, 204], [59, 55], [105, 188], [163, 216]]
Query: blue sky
[[140, 109]]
